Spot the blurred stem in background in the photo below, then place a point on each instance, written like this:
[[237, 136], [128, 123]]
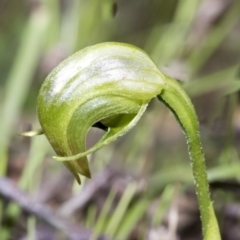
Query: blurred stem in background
[[214, 39], [21, 74], [19, 80]]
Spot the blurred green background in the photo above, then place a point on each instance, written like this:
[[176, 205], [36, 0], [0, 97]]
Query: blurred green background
[[142, 187]]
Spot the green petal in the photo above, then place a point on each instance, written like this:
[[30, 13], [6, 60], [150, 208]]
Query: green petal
[[113, 133]]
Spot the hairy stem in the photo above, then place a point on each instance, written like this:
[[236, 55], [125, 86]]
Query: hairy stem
[[175, 98]]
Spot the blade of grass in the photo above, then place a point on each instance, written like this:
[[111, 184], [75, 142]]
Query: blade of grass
[[180, 173], [70, 25], [215, 37], [171, 42], [21, 74], [5, 234], [233, 87], [218, 81], [91, 216], [90, 17], [28, 180], [38, 150], [53, 36], [18, 82], [3, 162], [102, 219], [224, 171], [106, 9], [165, 201], [131, 218], [121, 209], [31, 228]]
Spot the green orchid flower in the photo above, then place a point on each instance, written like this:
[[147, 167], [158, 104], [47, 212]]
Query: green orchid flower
[[109, 86]]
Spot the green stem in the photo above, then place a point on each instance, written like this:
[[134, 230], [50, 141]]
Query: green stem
[[175, 98]]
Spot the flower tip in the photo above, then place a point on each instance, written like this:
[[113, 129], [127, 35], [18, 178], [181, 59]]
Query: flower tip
[[78, 179], [59, 159], [88, 174], [31, 133]]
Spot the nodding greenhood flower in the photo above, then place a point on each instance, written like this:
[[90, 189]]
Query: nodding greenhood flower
[[109, 86]]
